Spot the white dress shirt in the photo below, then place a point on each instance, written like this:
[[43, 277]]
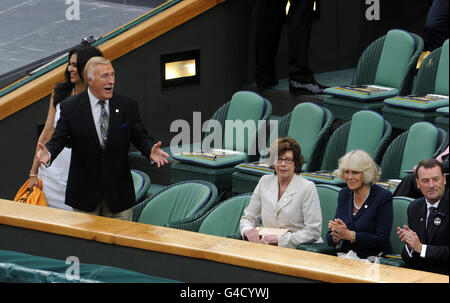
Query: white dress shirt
[[423, 251]]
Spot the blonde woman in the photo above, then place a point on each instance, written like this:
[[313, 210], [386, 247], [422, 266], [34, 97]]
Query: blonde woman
[[364, 213]]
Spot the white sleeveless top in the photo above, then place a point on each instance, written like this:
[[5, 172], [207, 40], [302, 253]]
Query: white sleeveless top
[[54, 178]]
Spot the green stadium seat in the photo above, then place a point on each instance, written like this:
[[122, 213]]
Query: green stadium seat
[[178, 205], [310, 125], [432, 78], [141, 183], [328, 195], [367, 131], [224, 219], [400, 205], [245, 106], [441, 120], [389, 62], [421, 141]]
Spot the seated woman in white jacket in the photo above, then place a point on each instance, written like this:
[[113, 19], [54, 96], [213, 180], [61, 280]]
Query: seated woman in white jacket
[[284, 200]]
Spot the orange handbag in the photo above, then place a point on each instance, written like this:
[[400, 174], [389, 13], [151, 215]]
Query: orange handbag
[[35, 197]]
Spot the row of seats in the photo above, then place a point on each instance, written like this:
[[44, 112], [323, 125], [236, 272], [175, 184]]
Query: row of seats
[[391, 62], [195, 206], [310, 125], [367, 130]]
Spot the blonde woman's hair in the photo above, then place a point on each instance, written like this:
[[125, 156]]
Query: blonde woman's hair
[[93, 62], [361, 161]]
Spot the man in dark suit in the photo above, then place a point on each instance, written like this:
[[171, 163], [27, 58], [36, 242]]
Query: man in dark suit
[[99, 125], [426, 236]]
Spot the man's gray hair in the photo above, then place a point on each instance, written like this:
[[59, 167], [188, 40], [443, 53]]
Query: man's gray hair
[[93, 62]]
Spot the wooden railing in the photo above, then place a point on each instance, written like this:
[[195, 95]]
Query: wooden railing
[[279, 260], [112, 49]]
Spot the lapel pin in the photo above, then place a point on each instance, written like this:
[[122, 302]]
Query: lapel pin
[[365, 206], [117, 110], [437, 221], [421, 219]]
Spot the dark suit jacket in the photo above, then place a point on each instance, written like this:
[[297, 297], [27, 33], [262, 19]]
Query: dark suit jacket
[[372, 224], [436, 258], [97, 174]]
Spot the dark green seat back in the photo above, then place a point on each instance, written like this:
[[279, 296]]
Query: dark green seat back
[[400, 205], [308, 124], [432, 76], [177, 202], [328, 195], [368, 132], [420, 142], [223, 220], [390, 61], [141, 182], [399, 47], [241, 124], [442, 75]]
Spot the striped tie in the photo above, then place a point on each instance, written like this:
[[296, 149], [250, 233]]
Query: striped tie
[[104, 120]]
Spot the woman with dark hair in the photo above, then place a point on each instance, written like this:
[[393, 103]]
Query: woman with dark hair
[[54, 178], [284, 200]]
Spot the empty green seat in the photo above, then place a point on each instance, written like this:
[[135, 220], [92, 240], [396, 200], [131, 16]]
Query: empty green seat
[[432, 78], [400, 205], [367, 131], [240, 121], [309, 124], [223, 220], [178, 205], [328, 195], [388, 62], [419, 142], [141, 182], [441, 120]]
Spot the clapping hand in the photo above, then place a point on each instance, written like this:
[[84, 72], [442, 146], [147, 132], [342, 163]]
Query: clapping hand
[[410, 238], [339, 230]]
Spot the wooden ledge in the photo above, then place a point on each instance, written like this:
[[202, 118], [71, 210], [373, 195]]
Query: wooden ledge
[[196, 245]]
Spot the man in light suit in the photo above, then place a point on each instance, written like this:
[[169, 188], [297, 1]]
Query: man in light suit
[[100, 133], [426, 236]]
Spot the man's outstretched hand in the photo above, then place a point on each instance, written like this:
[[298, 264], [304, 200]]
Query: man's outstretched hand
[[158, 155]]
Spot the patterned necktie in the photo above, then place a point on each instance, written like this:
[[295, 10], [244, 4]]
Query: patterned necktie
[[430, 220], [104, 121]]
